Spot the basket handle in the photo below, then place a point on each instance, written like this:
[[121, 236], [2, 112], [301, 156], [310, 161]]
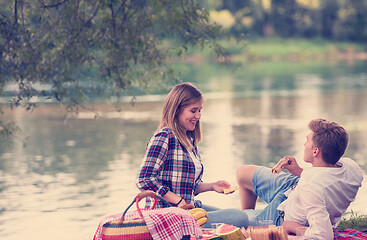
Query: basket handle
[[144, 194], [139, 197]]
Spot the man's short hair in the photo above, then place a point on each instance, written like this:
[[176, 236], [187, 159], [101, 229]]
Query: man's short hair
[[330, 137]]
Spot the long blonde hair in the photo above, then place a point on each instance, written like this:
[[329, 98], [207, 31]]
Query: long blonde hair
[[178, 98]]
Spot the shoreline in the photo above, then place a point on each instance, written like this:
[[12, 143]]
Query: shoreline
[[278, 50], [349, 56]]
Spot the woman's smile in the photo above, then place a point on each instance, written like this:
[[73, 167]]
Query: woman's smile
[[190, 116]]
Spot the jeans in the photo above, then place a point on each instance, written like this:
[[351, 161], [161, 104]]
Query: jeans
[[231, 216], [267, 186]]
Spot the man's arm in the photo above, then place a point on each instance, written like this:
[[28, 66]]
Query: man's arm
[[312, 201], [291, 226]]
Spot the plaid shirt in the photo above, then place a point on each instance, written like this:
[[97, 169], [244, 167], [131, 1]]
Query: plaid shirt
[[167, 166]]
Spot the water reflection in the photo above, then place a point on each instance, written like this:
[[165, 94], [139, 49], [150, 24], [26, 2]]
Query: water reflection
[[75, 171]]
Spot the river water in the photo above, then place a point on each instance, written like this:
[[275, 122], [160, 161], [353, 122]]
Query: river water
[[75, 170]]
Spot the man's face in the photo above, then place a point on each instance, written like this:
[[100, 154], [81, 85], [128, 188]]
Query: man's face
[[309, 148]]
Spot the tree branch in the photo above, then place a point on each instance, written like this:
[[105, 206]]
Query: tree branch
[[15, 12], [43, 5]]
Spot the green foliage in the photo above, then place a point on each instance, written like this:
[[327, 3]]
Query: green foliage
[[95, 47], [111, 47], [8, 130]]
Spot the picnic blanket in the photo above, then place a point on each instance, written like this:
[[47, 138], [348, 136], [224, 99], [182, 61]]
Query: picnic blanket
[[347, 234]]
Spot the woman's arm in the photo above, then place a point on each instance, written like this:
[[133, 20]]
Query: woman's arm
[[155, 156], [214, 186], [174, 199]]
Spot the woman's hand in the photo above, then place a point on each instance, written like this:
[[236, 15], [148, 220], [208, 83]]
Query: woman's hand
[[187, 206], [219, 185], [214, 186]]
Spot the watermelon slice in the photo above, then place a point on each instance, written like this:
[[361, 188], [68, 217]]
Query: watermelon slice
[[229, 232], [210, 235]]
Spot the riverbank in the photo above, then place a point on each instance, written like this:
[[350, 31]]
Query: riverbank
[[279, 50], [301, 50]]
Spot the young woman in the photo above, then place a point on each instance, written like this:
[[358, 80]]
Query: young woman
[[172, 165]]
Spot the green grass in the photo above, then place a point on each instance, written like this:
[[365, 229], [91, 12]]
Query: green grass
[[277, 46], [278, 49], [297, 50], [354, 221]]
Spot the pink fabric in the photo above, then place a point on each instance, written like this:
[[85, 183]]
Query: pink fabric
[[171, 223], [163, 223], [349, 234]]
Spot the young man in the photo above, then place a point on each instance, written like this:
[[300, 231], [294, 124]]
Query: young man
[[315, 197]]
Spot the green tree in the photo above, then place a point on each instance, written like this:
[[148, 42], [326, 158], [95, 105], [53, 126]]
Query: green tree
[[283, 17], [329, 16], [105, 47], [329, 19], [109, 44], [357, 20]]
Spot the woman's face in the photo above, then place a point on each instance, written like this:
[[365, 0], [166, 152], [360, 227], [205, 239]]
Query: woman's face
[[190, 116]]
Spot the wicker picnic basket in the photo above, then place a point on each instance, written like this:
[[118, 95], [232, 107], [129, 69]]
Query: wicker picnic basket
[[132, 229]]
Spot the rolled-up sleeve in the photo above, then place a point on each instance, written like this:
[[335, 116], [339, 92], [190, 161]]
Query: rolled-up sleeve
[[155, 156], [317, 215]]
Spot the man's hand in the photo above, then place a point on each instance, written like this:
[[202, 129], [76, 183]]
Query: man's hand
[[291, 226], [293, 167]]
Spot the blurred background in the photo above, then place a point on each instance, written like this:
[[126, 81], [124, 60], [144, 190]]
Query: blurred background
[[65, 170]]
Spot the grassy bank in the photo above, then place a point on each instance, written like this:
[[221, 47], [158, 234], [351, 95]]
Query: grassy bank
[[355, 221], [302, 49], [277, 49]]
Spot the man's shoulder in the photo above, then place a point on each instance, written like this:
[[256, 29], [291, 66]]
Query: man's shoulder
[[352, 170], [347, 162], [347, 171], [316, 176]]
